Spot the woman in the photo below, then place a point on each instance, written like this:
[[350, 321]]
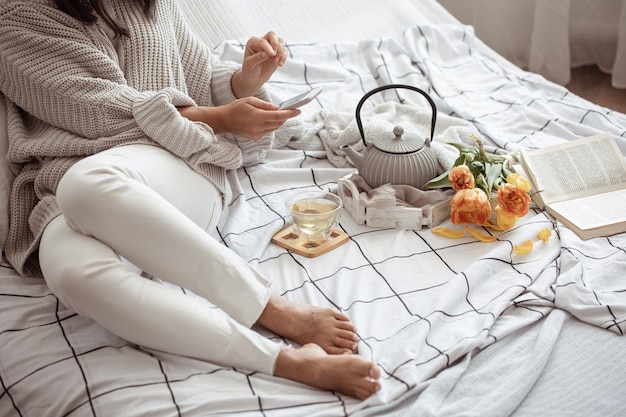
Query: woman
[[121, 128]]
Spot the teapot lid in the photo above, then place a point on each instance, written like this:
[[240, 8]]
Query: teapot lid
[[398, 142]]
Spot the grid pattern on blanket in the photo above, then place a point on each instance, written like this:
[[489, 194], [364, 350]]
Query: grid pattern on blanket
[[420, 302]]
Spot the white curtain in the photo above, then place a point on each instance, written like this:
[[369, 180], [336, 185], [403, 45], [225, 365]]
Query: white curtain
[[551, 36]]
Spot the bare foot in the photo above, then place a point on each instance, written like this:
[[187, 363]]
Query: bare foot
[[348, 374], [326, 327]]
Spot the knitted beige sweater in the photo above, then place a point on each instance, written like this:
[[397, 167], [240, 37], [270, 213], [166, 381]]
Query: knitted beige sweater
[[74, 90]]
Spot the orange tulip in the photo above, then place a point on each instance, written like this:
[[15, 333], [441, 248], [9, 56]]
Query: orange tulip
[[470, 206], [513, 199], [461, 178]]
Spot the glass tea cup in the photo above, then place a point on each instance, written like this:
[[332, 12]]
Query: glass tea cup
[[315, 213]]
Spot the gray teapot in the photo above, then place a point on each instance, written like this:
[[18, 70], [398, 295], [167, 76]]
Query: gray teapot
[[396, 157]]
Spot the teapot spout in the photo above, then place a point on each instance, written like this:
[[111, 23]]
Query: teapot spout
[[355, 157]]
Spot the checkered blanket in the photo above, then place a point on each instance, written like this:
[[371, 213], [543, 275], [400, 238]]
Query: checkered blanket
[[420, 302]]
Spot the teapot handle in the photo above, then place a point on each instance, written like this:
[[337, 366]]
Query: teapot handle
[[386, 87]]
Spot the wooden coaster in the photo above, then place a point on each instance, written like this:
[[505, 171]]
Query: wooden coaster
[[289, 239]]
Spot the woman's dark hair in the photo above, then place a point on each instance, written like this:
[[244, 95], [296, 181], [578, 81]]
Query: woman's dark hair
[[87, 11]]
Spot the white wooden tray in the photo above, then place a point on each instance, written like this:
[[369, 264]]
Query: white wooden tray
[[410, 218]]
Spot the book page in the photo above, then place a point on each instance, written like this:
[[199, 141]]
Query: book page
[[576, 169], [594, 211]]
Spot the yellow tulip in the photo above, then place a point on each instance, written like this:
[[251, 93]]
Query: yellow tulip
[[524, 249], [480, 236], [544, 234], [519, 181], [506, 220], [450, 233]]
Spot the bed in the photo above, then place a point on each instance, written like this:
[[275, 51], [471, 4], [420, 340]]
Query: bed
[[457, 326]]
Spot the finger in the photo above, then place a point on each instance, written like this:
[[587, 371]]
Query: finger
[[276, 114], [265, 44], [288, 114], [256, 45], [260, 134], [275, 42], [257, 59], [281, 52], [282, 56], [271, 125], [253, 45], [260, 104]]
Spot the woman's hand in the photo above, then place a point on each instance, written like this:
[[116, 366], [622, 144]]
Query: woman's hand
[[249, 117], [261, 59]]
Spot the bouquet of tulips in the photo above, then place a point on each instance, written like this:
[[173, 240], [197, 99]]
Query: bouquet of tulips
[[488, 191]]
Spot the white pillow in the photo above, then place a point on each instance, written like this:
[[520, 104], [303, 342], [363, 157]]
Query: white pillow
[[6, 177]]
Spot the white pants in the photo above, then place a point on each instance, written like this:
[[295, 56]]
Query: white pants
[[143, 204]]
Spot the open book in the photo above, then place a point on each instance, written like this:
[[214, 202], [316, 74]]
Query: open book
[[582, 183]]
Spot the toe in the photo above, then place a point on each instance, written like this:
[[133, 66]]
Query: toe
[[334, 350], [346, 335], [345, 325], [367, 390], [346, 345], [374, 372]]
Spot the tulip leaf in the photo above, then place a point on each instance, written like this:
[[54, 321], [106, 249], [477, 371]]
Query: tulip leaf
[[493, 172], [464, 147], [441, 181]]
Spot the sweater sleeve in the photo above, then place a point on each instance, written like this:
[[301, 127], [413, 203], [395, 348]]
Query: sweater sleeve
[[197, 61], [57, 70]]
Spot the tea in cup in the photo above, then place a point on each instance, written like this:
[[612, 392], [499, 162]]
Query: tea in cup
[[314, 213]]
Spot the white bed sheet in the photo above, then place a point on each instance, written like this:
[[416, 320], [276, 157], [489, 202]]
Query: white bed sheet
[[423, 305]]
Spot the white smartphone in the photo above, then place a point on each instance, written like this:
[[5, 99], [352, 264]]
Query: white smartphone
[[300, 99]]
